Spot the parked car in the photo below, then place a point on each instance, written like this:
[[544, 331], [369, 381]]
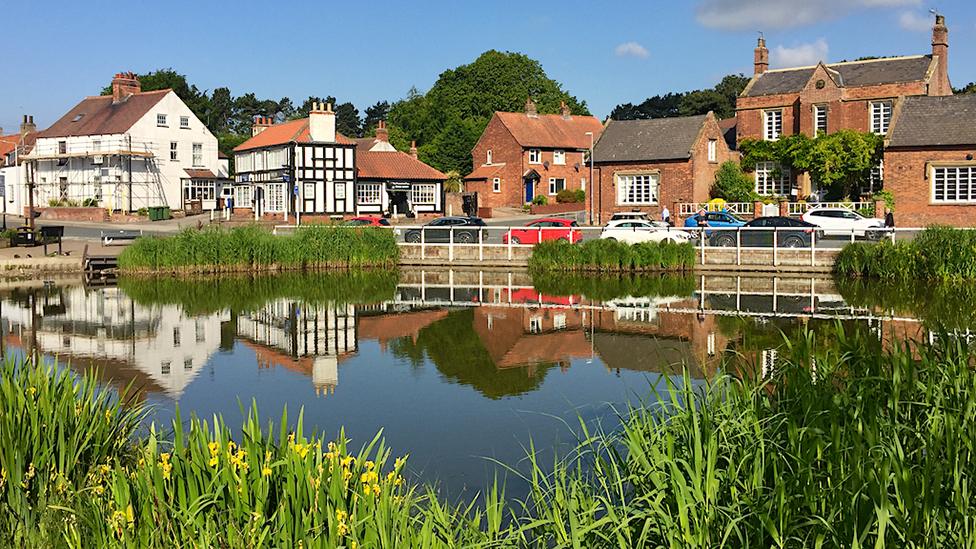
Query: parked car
[[465, 230], [714, 219], [628, 216], [366, 220], [541, 230], [841, 222], [789, 233], [633, 232]]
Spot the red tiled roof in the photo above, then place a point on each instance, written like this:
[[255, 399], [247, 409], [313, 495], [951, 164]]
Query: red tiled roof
[[199, 174], [551, 130], [286, 132], [99, 116], [8, 143], [394, 165], [485, 171]]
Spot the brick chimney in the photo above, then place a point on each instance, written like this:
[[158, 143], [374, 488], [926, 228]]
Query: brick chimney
[[530, 109], [27, 126], [939, 84], [382, 134], [322, 123], [413, 149], [260, 124], [564, 109], [761, 63], [123, 85]]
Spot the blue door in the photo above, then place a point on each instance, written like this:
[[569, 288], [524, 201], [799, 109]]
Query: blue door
[[529, 191]]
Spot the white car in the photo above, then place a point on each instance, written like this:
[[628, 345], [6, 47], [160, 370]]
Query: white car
[[841, 222], [635, 231]]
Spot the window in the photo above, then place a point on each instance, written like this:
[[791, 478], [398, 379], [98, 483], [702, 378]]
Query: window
[[535, 324], [488, 157], [559, 157], [185, 122], [200, 330], [161, 120], [176, 336], [369, 193], [535, 156], [62, 149], [876, 179], [880, 116], [772, 125], [173, 151], [496, 185], [200, 189], [954, 184], [96, 145], [583, 184], [276, 197], [819, 120], [712, 150], [556, 184], [423, 193], [637, 189], [559, 322], [771, 179], [164, 367], [242, 196], [198, 154], [187, 363]]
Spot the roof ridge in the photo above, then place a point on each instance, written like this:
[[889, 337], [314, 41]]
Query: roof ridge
[[829, 65]]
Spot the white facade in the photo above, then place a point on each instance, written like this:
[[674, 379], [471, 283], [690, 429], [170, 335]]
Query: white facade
[[141, 167], [13, 183]]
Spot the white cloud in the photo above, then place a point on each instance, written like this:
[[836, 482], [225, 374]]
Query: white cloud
[[799, 56], [781, 14], [914, 21], [631, 49]]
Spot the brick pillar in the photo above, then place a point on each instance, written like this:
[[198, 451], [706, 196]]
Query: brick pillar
[[757, 208], [879, 209], [784, 208], [675, 214]]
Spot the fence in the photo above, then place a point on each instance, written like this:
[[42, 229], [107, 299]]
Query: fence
[[746, 209]]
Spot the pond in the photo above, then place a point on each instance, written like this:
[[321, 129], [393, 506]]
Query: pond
[[458, 369]]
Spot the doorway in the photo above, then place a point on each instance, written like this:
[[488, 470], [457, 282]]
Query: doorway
[[529, 189]]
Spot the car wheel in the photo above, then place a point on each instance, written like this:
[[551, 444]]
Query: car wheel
[[725, 241], [793, 242], [515, 240], [413, 238], [464, 238]]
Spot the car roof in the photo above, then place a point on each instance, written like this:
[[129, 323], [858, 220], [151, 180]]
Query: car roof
[[619, 221], [556, 219]]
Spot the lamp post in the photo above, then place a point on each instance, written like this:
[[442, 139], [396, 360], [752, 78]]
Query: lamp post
[[589, 193]]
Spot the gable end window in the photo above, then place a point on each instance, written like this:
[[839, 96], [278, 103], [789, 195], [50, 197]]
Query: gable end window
[[880, 117], [819, 120], [488, 157], [161, 120], [185, 122], [712, 153], [772, 124], [496, 185], [535, 156]]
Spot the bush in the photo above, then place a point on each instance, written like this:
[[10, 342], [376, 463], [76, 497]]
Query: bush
[[732, 185], [602, 255], [567, 196], [937, 253], [90, 203], [540, 200]]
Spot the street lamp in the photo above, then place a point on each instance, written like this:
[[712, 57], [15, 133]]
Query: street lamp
[[590, 192]]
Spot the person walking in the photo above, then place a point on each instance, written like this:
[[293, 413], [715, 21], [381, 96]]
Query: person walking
[[666, 216], [889, 219]]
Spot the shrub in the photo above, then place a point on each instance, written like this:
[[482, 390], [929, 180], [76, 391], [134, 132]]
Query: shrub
[[540, 200], [566, 196], [732, 185], [609, 255], [937, 253], [580, 195]]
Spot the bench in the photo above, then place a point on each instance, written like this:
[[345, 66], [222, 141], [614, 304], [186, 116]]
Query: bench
[[51, 234], [122, 235]]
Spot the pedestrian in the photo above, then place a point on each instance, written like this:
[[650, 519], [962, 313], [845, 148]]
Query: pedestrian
[[666, 216], [889, 219], [229, 202]]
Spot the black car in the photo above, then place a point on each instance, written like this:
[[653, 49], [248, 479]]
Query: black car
[[465, 229], [790, 233]]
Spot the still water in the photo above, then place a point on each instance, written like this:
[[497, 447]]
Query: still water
[[457, 368]]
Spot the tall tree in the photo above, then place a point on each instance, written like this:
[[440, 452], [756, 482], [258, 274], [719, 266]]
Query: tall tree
[[374, 114], [968, 88], [719, 99]]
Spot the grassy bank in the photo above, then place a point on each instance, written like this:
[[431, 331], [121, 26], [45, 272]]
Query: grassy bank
[[846, 444], [937, 253], [602, 255], [608, 287], [215, 250]]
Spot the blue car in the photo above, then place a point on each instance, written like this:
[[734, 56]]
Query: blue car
[[714, 219]]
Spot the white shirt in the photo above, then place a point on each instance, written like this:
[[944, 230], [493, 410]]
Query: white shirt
[[665, 213]]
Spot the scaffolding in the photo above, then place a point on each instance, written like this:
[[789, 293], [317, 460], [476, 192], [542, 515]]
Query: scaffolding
[[116, 173]]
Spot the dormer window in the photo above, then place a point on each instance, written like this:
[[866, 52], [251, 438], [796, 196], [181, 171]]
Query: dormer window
[[535, 156], [78, 117], [161, 120], [772, 124]]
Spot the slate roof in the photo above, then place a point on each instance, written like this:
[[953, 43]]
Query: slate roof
[[99, 116], [394, 165], [286, 132], [935, 121], [849, 74], [551, 130], [728, 127], [644, 140]]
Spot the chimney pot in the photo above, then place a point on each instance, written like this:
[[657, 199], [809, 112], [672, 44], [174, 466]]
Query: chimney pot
[[382, 134], [413, 148], [564, 109], [940, 50]]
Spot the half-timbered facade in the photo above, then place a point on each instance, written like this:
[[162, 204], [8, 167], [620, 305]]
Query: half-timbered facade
[[302, 166]]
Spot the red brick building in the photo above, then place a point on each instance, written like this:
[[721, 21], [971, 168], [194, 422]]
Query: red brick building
[[857, 95], [645, 165], [929, 162], [522, 155]]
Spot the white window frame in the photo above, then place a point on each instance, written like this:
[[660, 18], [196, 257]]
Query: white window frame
[[274, 196], [957, 180], [552, 185], [559, 157], [161, 120], [423, 193], [767, 184], [369, 194], [243, 196], [772, 124], [880, 117], [200, 189], [496, 185], [819, 115], [712, 150], [197, 155], [174, 152], [185, 122], [488, 157], [876, 178], [638, 189], [535, 156]]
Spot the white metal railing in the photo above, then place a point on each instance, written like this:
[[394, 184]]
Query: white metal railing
[[800, 208], [691, 208]]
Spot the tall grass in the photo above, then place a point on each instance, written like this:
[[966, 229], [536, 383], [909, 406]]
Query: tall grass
[[937, 253], [216, 250], [844, 444], [602, 255], [605, 288]]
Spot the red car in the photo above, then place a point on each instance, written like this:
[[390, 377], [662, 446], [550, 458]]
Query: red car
[[369, 221], [540, 230]]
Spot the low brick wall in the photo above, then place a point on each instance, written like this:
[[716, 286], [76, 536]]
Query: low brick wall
[[72, 214], [557, 208]]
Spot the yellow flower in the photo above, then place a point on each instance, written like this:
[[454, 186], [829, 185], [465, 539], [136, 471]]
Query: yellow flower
[[32, 391], [266, 471], [341, 529], [376, 489], [341, 515], [369, 465], [353, 545], [99, 490]]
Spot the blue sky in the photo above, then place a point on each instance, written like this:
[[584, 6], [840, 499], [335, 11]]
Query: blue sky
[[604, 52]]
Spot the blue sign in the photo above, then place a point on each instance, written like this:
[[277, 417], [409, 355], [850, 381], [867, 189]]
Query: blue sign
[[285, 178], [296, 190]]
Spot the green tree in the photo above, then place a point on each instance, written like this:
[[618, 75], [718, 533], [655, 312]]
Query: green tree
[[451, 149], [719, 99], [841, 162], [702, 102], [732, 185], [373, 115], [968, 88]]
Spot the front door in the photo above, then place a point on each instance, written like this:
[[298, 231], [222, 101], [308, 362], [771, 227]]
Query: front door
[[529, 190]]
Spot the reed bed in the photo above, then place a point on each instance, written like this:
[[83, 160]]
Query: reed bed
[[251, 248], [602, 255], [844, 443], [937, 253]]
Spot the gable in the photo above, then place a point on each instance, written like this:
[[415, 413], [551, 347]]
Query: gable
[[870, 72]]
